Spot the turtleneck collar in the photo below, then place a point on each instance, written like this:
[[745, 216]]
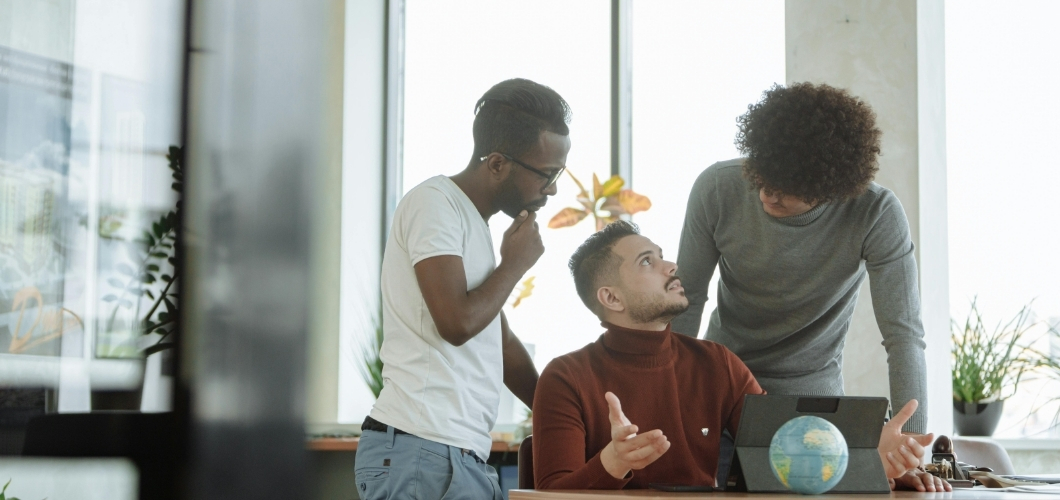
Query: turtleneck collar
[[803, 218], [640, 348]]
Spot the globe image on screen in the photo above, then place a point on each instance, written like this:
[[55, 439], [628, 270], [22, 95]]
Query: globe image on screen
[[808, 455]]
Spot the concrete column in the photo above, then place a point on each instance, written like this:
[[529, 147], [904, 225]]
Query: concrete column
[[890, 53], [257, 151]]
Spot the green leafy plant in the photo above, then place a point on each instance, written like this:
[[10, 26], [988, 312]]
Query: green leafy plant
[[3, 493], [153, 253], [371, 366], [1049, 369], [988, 366]]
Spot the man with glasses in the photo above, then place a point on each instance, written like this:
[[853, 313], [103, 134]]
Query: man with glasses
[[446, 344]]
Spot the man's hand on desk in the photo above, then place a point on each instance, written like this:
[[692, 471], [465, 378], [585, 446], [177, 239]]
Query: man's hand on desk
[[628, 450], [899, 452], [920, 481]]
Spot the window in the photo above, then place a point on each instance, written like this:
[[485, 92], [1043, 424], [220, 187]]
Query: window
[[683, 113], [456, 51], [89, 105], [691, 79], [1001, 132]]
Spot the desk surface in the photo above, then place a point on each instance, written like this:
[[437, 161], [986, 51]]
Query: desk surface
[[350, 444], [959, 494]]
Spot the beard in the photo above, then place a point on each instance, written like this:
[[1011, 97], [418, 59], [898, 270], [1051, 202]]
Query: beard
[[512, 202], [650, 308]]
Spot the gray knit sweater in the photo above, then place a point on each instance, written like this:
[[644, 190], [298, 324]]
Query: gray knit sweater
[[788, 285]]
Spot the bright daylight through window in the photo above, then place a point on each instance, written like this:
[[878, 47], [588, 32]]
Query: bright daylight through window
[[1001, 133], [448, 67]]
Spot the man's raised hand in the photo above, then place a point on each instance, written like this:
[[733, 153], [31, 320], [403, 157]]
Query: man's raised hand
[[628, 450], [521, 245], [899, 452]]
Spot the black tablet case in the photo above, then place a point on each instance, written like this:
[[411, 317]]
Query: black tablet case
[[859, 419]]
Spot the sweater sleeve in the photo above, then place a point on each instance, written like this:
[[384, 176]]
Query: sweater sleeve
[[742, 383], [889, 259], [697, 254], [560, 437]]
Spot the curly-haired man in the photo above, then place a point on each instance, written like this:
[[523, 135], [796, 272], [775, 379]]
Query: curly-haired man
[[794, 227]]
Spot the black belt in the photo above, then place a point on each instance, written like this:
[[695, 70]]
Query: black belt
[[371, 424]]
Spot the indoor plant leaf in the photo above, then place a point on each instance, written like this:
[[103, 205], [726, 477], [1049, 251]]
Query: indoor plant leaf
[[126, 270], [633, 202], [582, 193], [567, 217], [612, 186], [525, 290], [613, 207]]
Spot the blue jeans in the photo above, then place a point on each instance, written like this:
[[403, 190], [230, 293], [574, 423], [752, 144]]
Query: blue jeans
[[400, 466]]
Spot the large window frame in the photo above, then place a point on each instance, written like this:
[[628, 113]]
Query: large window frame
[[621, 110]]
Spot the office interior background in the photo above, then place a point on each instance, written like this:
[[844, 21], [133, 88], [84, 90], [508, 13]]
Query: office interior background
[[299, 126]]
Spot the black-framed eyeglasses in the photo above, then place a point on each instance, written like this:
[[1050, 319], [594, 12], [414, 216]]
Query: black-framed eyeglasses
[[550, 177]]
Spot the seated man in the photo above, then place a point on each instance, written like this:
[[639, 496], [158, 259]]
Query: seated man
[[685, 389]]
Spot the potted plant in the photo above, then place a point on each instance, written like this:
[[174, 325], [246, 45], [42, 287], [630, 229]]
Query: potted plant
[[987, 369], [150, 271], [607, 203]]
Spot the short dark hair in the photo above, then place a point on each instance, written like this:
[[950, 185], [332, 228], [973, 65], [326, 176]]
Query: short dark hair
[[594, 260], [814, 142], [511, 115]]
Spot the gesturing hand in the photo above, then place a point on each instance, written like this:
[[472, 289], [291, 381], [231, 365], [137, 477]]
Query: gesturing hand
[[899, 452], [628, 450], [521, 245]]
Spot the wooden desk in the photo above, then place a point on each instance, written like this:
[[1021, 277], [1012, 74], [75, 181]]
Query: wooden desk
[[350, 444], [959, 494]]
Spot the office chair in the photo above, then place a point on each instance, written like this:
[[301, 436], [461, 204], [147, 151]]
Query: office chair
[[982, 452], [526, 463]]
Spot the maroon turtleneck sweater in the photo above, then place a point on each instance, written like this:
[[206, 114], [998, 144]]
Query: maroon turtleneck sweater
[[664, 380]]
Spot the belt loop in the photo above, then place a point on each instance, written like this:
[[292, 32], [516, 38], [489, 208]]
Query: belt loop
[[390, 437], [456, 457]]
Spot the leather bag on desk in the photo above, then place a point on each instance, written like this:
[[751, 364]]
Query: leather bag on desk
[[859, 419]]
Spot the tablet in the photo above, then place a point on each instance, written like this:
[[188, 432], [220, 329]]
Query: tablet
[[860, 419]]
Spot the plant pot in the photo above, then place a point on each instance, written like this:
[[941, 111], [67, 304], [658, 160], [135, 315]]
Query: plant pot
[[156, 394], [976, 419]]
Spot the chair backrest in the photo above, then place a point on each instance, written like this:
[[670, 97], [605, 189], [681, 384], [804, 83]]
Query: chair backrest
[[983, 452], [526, 463]]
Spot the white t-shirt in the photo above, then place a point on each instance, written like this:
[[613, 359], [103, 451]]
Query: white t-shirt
[[431, 388]]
